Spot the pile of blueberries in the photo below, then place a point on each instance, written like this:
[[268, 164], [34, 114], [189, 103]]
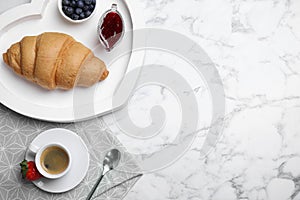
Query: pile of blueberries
[[78, 9]]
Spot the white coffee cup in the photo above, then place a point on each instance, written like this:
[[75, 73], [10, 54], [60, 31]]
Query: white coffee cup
[[46, 149]]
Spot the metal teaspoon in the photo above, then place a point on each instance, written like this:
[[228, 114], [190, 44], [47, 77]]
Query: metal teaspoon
[[111, 161]]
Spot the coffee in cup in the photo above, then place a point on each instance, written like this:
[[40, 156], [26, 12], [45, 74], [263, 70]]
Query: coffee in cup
[[52, 160]]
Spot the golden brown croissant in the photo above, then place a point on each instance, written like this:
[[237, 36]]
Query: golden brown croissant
[[55, 60]]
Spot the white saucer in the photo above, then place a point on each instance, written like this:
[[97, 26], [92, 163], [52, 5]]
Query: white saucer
[[80, 160]]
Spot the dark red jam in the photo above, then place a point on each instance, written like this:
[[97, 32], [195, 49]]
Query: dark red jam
[[111, 28]]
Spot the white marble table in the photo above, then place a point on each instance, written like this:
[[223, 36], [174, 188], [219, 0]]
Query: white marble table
[[256, 48]]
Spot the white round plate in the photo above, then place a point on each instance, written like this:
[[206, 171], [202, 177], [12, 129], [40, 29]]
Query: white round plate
[[40, 16], [80, 160]]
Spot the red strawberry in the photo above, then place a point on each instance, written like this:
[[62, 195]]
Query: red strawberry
[[29, 170]]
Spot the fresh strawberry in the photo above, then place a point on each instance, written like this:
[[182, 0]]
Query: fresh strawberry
[[29, 170]]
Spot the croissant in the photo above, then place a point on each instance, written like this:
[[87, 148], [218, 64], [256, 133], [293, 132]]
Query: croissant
[[55, 60]]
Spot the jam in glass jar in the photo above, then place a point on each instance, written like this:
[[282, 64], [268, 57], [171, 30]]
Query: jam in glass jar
[[110, 28]]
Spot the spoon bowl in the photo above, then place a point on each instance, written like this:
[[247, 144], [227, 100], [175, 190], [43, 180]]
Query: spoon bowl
[[112, 158]]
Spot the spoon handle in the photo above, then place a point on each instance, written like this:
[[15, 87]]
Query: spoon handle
[[94, 188]]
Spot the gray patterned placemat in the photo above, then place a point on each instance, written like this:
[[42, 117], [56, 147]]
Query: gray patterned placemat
[[16, 133]]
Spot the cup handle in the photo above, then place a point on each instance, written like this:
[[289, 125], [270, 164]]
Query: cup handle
[[33, 148]]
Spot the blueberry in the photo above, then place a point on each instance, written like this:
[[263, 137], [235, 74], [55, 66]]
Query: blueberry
[[73, 3], [64, 8], [94, 2], [91, 7], [65, 2], [88, 2], [82, 15], [69, 11], [85, 8], [80, 4], [75, 17], [88, 13], [78, 11]]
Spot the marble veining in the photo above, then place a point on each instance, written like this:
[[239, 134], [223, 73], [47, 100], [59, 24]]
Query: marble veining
[[256, 48]]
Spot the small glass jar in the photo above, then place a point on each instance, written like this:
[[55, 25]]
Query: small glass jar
[[110, 28]]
